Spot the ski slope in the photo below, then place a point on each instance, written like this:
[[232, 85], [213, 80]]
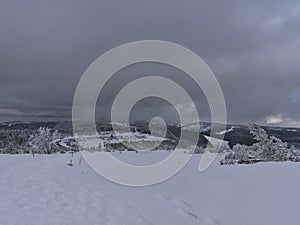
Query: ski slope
[[43, 190]]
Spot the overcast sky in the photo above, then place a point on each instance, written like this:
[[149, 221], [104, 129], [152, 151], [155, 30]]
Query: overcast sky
[[253, 47]]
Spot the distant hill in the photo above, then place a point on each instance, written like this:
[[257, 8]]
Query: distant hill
[[234, 134]]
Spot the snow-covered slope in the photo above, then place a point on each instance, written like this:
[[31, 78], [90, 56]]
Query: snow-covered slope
[[198, 127], [44, 190]]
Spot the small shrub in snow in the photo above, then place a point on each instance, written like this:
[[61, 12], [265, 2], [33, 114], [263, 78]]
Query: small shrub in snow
[[196, 150], [70, 163]]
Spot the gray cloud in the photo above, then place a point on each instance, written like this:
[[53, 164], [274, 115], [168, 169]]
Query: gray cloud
[[252, 46]]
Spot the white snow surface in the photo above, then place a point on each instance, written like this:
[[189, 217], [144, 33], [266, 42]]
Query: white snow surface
[[197, 127], [43, 190], [106, 138], [225, 131]]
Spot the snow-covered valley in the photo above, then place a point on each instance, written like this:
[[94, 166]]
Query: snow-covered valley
[[43, 190]]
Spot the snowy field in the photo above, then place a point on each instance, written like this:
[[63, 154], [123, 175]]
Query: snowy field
[[43, 190]]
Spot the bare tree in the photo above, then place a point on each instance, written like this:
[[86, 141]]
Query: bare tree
[[43, 140]]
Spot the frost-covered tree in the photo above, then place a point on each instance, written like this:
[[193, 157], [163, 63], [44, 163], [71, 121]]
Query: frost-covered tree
[[14, 141], [228, 160], [295, 153], [43, 140], [266, 149], [241, 152]]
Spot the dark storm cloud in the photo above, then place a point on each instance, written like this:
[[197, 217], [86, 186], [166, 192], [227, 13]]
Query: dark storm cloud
[[252, 46]]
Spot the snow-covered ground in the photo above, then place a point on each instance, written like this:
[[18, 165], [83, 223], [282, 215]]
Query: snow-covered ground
[[109, 137], [44, 190]]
